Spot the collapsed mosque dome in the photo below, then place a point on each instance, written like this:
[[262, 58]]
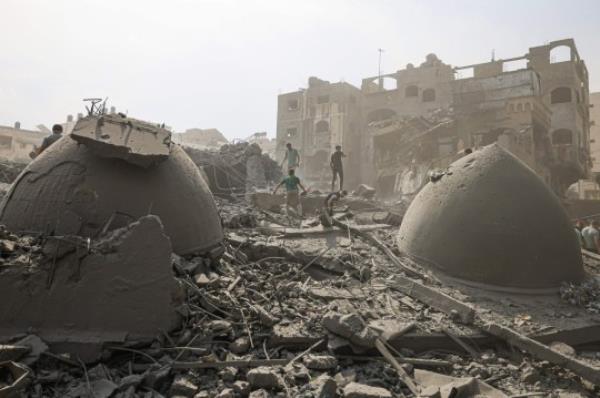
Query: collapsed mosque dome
[[491, 221], [70, 189]]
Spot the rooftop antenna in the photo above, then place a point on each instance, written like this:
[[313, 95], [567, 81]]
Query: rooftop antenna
[[381, 50], [493, 55], [97, 106]]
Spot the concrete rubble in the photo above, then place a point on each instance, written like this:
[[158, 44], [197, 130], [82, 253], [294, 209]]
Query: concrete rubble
[[243, 300]]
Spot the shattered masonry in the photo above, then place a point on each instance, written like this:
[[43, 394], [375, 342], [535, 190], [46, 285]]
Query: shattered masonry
[[398, 127]]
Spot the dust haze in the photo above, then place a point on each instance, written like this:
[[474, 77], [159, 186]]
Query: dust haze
[[261, 199]]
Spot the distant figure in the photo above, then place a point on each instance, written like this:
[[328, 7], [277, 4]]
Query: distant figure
[[327, 212], [51, 139], [337, 168], [292, 156], [292, 198], [579, 226], [591, 237]]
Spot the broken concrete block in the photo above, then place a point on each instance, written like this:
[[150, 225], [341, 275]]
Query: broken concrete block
[[219, 327], [156, 379], [343, 325], [242, 388], [356, 390], [101, 388], [239, 346], [228, 374], [265, 316], [563, 348], [324, 386], [183, 386], [261, 393], [365, 191], [123, 287], [226, 393], [36, 348], [264, 377], [117, 136], [320, 362]]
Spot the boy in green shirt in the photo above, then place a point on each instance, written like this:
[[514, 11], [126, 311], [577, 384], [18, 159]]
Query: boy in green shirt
[[291, 182]]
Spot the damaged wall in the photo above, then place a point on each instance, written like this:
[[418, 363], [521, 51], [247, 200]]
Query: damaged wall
[[123, 287]]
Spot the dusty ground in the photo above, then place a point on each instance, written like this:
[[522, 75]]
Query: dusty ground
[[273, 299]]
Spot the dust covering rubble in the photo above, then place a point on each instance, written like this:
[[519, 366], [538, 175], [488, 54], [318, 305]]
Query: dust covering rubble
[[286, 308], [235, 169]]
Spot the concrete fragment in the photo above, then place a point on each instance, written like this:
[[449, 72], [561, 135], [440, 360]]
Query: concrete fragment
[[507, 245], [242, 388], [101, 388], [351, 327], [260, 393], [36, 347], [264, 377], [365, 191], [324, 386], [241, 345], [120, 137], [320, 362], [183, 386], [124, 287], [226, 393], [357, 390], [563, 348], [228, 374], [74, 191]]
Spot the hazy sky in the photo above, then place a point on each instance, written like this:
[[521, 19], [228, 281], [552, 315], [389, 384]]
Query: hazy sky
[[222, 63]]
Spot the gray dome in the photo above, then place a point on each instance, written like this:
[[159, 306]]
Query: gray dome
[[491, 220], [69, 190]]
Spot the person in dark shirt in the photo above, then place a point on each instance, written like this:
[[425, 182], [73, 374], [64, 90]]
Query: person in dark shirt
[[327, 211], [51, 139], [337, 168]]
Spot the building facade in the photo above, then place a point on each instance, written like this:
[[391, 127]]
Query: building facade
[[400, 126]]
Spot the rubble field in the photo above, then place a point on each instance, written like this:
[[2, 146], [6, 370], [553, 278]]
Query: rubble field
[[321, 312]]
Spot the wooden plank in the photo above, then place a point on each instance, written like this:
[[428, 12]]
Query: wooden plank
[[544, 353]]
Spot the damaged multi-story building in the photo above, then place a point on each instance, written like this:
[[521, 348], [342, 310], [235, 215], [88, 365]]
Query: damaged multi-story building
[[400, 126]]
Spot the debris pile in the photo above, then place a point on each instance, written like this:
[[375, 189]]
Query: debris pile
[[236, 168], [585, 294]]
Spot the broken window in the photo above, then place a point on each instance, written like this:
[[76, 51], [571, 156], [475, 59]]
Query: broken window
[[322, 127], [562, 137], [429, 95], [560, 95], [322, 99], [560, 54], [291, 132], [411, 91], [293, 105]]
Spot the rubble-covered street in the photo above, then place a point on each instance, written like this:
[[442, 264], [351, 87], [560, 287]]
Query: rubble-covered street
[[315, 199]]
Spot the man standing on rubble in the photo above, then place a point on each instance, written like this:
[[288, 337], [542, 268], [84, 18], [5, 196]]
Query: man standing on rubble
[[51, 139], [292, 156], [292, 198], [591, 237], [336, 167]]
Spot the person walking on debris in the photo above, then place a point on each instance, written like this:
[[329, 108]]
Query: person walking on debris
[[591, 237], [292, 156], [292, 199], [336, 167], [51, 139], [579, 226], [327, 212]]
